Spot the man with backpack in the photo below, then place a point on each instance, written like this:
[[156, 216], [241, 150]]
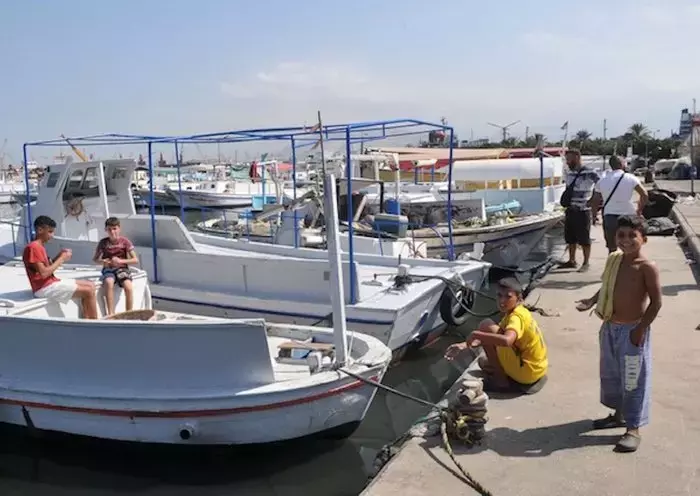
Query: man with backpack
[[580, 184], [615, 192]]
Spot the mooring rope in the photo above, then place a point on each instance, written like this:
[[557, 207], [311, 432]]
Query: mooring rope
[[448, 418]]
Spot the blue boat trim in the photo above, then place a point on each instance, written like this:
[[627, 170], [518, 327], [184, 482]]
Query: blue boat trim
[[272, 312]]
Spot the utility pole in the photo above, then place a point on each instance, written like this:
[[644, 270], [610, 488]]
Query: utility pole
[[692, 151], [527, 132], [605, 138]]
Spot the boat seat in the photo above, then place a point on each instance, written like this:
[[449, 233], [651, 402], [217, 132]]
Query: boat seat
[[286, 348]]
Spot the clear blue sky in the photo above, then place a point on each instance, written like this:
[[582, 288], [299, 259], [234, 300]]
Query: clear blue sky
[[84, 67]]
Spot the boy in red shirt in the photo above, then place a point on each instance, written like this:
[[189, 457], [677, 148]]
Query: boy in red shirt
[[116, 252], [40, 271]]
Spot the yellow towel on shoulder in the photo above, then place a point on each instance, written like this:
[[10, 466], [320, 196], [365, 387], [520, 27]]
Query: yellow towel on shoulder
[[604, 308]]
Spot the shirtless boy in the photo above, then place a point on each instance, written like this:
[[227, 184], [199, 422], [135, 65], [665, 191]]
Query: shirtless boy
[[625, 338], [516, 354]]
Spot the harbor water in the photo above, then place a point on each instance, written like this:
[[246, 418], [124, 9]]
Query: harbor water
[[33, 463]]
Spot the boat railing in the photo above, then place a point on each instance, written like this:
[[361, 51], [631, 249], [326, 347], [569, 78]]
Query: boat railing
[[14, 224]]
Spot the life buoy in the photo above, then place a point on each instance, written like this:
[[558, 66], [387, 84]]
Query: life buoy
[[453, 312]]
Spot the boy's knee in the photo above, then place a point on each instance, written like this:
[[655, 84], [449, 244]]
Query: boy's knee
[[488, 325], [86, 289]]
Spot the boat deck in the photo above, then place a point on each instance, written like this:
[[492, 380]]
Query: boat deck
[[285, 371], [15, 291]]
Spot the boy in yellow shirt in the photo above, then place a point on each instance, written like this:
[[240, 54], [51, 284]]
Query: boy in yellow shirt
[[516, 353]]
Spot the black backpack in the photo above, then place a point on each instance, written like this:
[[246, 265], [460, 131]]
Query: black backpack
[[565, 200]]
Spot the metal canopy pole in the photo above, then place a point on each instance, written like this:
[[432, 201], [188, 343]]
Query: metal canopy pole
[[154, 248], [451, 248], [29, 228], [178, 158], [294, 191]]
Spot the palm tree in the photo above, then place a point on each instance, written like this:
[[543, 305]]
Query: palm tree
[[638, 131], [583, 135]]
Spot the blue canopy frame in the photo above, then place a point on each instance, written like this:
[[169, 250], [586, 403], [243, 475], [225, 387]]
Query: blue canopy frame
[[358, 132]]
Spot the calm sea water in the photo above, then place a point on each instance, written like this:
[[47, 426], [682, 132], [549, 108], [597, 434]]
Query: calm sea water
[[63, 465]]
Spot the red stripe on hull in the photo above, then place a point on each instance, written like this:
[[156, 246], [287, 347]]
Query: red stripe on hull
[[187, 413]]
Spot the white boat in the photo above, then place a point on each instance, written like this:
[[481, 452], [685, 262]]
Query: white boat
[[231, 194], [222, 277], [153, 377], [478, 185], [12, 189]]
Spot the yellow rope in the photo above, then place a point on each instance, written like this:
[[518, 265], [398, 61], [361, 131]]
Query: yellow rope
[[455, 423]]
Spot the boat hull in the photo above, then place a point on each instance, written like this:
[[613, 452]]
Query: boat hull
[[199, 199], [321, 411], [161, 199], [505, 246], [403, 331]]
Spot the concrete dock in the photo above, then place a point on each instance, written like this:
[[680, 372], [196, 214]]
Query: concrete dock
[[543, 444]]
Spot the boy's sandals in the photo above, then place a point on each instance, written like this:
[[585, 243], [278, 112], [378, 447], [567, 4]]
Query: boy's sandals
[[628, 443], [568, 265], [584, 268], [609, 422]]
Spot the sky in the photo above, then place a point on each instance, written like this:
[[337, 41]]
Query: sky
[[81, 67]]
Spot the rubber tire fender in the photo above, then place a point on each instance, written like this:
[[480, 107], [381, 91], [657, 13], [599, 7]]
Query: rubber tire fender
[[449, 311]]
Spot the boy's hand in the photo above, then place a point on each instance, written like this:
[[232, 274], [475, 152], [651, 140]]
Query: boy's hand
[[116, 261], [585, 304], [65, 254], [454, 350], [473, 343], [637, 336]]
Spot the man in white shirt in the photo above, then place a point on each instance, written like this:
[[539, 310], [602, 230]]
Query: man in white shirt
[[615, 196]]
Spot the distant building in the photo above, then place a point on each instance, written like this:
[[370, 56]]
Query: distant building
[[474, 143], [687, 123]]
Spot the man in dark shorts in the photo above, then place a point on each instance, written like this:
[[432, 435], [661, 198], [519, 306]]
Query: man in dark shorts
[[116, 253], [577, 223]]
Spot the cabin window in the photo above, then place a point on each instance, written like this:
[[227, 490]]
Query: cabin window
[[75, 179], [53, 179], [119, 173], [90, 181]]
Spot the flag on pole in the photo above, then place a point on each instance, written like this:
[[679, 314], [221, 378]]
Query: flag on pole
[[316, 145], [565, 126], [315, 128]]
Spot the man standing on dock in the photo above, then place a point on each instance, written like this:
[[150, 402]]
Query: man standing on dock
[[580, 181], [615, 193]]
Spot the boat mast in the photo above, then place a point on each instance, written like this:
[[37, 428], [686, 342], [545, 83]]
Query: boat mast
[[336, 277]]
